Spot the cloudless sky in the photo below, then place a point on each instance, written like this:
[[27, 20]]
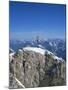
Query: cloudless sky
[[28, 20]]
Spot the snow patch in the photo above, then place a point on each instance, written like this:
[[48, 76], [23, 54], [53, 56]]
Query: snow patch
[[11, 50], [40, 46], [50, 44], [42, 51], [35, 49], [11, 54], [20, 50]]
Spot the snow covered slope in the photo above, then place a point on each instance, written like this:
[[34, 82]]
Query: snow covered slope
[[35, 49], [11, 54], [41, 51]]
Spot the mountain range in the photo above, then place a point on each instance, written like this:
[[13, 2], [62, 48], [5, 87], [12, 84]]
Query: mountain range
[[56, 46]]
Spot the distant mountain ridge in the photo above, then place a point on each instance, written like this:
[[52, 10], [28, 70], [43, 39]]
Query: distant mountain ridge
[[56, 46]]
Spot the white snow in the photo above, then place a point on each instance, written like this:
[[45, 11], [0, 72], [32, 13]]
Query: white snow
[[19, 82], [50, 44], [58, 58], [11, 54], [55, 57], [38, 50], [11, 50], [48, 52], [40, 46], [35, 49], [20, 50], [42, 51]]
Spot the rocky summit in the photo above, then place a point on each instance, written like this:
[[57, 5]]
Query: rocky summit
[[35, 67]]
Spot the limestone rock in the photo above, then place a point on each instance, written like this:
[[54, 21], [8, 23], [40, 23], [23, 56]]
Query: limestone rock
[[34, 69]]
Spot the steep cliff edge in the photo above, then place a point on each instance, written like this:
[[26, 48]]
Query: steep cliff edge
[[36, 67]]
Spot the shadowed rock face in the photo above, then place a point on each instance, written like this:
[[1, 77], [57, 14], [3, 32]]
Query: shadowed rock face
[[33, 69]]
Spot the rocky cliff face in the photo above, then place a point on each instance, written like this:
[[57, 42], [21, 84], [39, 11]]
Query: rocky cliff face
[[33, 69]]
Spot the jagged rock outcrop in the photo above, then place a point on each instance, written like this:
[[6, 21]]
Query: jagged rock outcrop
[[34, 69]]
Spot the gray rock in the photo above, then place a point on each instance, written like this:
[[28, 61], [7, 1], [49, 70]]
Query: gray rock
[[36, 70]]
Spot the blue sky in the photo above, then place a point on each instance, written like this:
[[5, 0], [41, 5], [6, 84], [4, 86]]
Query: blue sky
[[28, 20]]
